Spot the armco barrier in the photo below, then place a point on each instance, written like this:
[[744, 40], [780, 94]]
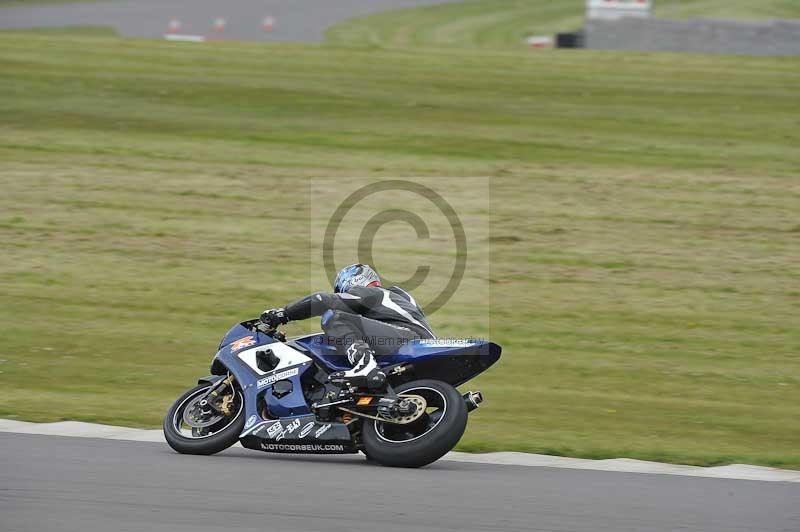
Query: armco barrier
[[777, 37]]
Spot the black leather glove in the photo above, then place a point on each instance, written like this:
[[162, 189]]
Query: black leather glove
[[274, 317]]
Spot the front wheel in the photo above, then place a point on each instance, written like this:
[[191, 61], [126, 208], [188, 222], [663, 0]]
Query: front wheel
[[192, 427], [426, 439]]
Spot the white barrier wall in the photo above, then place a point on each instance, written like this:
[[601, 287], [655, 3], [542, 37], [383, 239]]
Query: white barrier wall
[[777, 37], [616, 9]]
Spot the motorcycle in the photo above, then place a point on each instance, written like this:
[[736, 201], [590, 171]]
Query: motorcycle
[[272, 394]]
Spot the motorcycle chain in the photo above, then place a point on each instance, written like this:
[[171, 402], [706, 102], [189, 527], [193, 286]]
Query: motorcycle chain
[[405, 420]]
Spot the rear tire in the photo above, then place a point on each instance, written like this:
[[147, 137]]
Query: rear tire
[[401, 446], [227, 435]]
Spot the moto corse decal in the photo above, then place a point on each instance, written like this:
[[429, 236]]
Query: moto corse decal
[[272, 379]]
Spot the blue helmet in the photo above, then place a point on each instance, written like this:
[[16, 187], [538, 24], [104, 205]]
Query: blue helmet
[[355, 275]]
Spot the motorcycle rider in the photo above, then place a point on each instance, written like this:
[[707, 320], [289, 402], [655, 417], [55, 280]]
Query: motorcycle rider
[[362, 319]]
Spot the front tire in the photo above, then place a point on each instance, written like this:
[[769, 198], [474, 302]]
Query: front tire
[[426, 440], [216, 438]]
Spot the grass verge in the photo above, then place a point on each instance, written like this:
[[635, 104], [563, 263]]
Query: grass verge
[[643, 216]]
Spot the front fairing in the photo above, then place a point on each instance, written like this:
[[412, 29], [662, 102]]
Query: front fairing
[[242, 330], [237, 355]]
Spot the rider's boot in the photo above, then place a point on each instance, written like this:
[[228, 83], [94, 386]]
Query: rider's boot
[[365, 372]]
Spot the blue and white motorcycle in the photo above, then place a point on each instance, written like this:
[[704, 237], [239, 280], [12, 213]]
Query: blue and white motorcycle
[[273, 394]]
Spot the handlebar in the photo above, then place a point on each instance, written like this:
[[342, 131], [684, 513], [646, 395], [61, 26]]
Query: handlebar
[[262, 327], [272, 331]]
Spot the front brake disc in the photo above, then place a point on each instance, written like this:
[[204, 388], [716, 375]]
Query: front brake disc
[[196, 417]]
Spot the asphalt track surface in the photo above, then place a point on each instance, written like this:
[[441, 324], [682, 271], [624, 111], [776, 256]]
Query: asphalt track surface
[[295, 20], [92, 485]]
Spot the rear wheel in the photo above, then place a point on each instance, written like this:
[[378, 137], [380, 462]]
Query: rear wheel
[[426, 439], [192, 427]]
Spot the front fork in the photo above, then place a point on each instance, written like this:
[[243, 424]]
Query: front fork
[[225, 403]]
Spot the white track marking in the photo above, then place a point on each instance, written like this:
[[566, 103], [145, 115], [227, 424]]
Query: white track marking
[[184, 38], [628, 465], [80, 429], [620, 465]]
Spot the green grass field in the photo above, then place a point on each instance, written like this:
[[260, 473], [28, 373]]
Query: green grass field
[[507, 23], [643, 212], [24, 3], [79, 31]]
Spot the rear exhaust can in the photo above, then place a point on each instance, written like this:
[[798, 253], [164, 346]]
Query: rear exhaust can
[[473, 400]]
